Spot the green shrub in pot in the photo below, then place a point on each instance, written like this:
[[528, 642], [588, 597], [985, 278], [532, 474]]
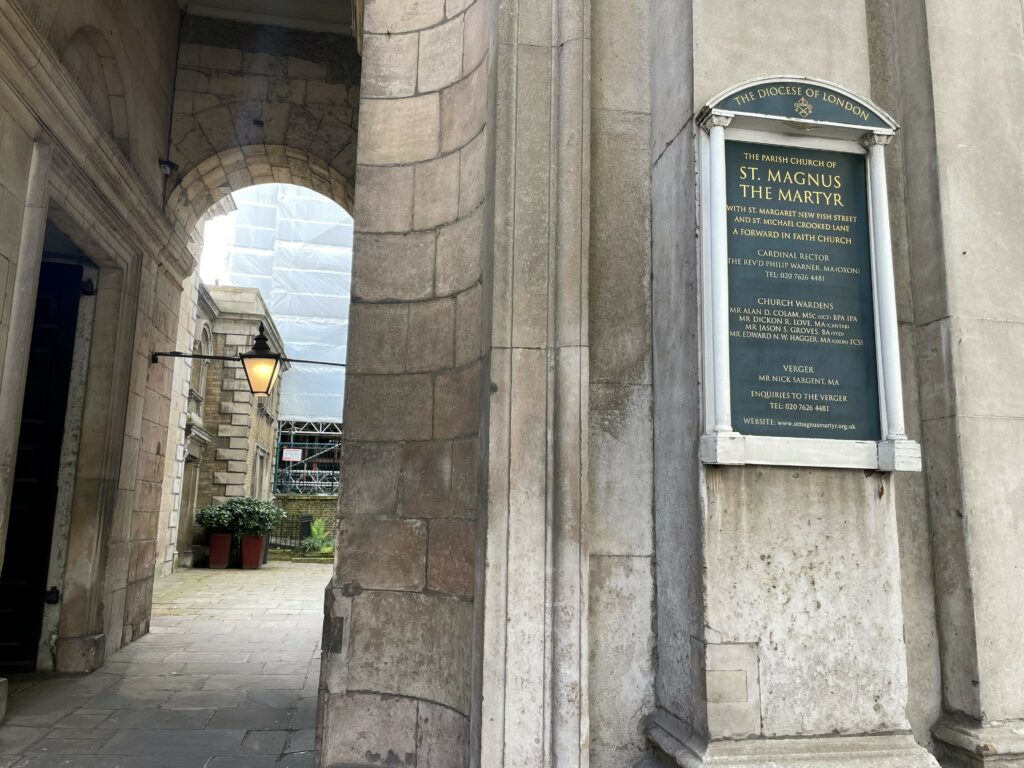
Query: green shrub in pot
[[216, 519], [252, 517]]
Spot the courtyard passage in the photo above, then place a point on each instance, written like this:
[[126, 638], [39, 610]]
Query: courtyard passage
[[227, 678]]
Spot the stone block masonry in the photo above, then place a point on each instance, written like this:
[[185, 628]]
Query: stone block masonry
[[256, 104], [170, 504], [134, 528], [526, 350], [407, 520], [240, 424], [621, 393]]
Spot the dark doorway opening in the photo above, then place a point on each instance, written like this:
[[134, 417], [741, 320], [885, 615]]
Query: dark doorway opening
[[23, 588]]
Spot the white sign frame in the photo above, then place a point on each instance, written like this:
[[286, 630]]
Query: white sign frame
[[720, 443]]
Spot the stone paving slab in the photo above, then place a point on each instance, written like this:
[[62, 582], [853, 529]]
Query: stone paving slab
[[227, 678]]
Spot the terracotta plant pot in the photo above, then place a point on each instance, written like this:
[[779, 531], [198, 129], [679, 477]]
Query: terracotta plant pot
[[220, 550], [252, 552]]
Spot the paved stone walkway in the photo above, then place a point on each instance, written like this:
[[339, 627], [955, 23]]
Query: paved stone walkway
[[227, 678]]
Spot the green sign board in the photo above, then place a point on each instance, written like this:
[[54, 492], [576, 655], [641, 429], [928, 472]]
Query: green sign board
[[802, 101], [801, 312]]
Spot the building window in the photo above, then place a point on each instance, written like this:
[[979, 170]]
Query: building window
[[260, 485], [200, 371]]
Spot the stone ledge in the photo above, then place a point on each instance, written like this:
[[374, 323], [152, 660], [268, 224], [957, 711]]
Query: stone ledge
[[689, 749], [970, 744], [731, 448]]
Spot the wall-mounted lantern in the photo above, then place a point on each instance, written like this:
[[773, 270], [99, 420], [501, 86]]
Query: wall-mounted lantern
[[261, 364]]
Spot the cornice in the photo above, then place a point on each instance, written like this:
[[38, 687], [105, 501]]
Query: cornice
[[101, 178], [254, 318]]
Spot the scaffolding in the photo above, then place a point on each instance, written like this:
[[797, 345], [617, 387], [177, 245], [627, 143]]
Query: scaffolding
[[308, 458], [295, 246]]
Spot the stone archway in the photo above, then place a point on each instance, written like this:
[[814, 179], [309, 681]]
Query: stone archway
[[91, 62], [235, 168], [404, 612], [255, 104]]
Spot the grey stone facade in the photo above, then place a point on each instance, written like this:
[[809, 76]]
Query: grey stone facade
[[226, 437], [534, 567]]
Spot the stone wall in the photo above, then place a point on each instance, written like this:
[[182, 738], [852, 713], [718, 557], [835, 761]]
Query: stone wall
[[408, 506], [677, 415], [174, 466], [206, 492], [257, 105], [745, 555], [100, 87], [263, 419], [238, 422], [750, 599], [23, 199], [561, 311], [121, 53], [16, 150], [132, 536], [536, 652], [963, 177], [917, 574]]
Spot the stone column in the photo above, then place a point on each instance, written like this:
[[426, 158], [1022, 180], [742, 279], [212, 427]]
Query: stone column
[[966, 233], [17, 312], [399, 641], [19, 334], [98, 555], [620, 510], [536, 651]]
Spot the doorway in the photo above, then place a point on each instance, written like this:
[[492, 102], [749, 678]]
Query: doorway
[[23, 581]]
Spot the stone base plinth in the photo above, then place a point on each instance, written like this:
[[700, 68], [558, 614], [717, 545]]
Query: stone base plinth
[[3, 699], [681, 747], [81, 654], [963, 743]]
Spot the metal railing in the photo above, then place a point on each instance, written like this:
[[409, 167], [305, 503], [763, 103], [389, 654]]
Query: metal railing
[[290, 532]]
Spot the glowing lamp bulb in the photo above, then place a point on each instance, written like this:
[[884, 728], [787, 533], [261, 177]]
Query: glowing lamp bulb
[[262, 367]]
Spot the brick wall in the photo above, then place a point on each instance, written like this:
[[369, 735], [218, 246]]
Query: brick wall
[[319, 507]]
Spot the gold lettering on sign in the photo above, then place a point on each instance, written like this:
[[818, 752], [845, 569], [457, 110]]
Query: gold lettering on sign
[[801, 106], [800, 186], [800, 316]]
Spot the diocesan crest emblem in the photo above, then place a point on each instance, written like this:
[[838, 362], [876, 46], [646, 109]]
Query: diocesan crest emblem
[[803, 107]]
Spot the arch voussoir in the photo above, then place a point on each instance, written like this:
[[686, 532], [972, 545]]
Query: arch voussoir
[[249, 117]]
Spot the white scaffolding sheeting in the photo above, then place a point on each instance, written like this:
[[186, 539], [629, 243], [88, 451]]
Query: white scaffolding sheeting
[[295, 245]]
